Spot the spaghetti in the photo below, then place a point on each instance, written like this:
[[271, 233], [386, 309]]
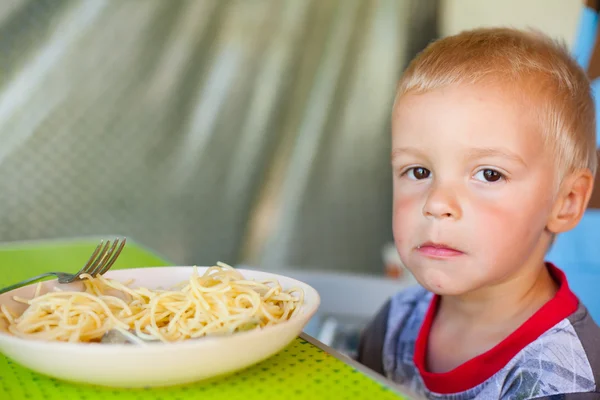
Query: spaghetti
[[221, 301]]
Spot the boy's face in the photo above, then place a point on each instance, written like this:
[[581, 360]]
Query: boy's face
[[473, 188]]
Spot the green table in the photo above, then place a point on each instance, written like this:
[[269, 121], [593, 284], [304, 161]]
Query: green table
[[306, 369]]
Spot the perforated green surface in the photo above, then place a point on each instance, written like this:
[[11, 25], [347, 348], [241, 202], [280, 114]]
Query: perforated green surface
[[301, 371]]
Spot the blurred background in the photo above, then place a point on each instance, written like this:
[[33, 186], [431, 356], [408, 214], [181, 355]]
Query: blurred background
[[254, 132]]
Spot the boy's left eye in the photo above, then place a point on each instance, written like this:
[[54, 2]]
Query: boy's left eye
[[488, 175]]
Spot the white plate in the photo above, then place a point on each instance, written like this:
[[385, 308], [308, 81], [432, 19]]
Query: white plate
[[157, 364]]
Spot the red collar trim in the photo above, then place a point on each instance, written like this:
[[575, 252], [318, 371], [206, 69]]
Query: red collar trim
[[477, 370]]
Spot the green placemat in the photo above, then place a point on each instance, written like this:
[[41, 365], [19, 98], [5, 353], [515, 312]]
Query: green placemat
[[301, 371], [20, 260]]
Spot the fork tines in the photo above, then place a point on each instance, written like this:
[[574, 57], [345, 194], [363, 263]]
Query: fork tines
[[103, 257]]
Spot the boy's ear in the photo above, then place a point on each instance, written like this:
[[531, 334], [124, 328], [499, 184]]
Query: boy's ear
[[571, 202]]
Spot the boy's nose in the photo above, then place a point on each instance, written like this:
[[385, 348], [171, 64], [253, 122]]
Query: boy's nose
[[442, 203]]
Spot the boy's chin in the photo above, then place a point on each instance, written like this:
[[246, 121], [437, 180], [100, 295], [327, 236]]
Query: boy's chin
[[441, 284], [445, 291]]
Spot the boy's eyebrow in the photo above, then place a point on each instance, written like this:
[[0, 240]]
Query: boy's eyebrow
[[473, 153], [495, 152], [405, 150]]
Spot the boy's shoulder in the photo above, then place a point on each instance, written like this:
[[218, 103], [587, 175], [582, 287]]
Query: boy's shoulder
[[581, 328], [408, 304], [562, 363]]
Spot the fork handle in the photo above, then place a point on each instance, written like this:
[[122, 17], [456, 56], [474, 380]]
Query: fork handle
[[25, 282]]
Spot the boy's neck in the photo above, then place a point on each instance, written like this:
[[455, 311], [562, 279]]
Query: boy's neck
[[474, 324], [513, 300]]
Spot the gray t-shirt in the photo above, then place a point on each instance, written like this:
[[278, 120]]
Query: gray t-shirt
[[554, 355]]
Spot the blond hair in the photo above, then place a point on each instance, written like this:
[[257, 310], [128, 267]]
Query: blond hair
[[537, 68]]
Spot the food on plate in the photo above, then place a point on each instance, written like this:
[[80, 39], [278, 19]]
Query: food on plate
[[218, 302]]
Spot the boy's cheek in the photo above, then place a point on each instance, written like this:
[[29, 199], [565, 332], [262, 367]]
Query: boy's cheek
[[406, 213], [506, 219], [405, 203], [406, 209]]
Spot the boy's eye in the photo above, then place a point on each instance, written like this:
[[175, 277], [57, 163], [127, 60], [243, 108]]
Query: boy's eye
[[488, 175], [418, 173]]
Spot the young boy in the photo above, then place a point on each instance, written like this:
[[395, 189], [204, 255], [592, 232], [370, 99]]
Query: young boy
[[493, 154]]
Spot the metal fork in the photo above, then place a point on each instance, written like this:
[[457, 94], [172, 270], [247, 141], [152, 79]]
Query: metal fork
[[101, 260]]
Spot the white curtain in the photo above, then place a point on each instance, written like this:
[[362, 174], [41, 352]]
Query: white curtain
[[252, 131]]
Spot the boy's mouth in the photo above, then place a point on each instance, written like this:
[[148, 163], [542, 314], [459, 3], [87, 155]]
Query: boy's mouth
[[438, 250]]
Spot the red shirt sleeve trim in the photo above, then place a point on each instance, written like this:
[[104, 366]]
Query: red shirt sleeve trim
[[479, 369]]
